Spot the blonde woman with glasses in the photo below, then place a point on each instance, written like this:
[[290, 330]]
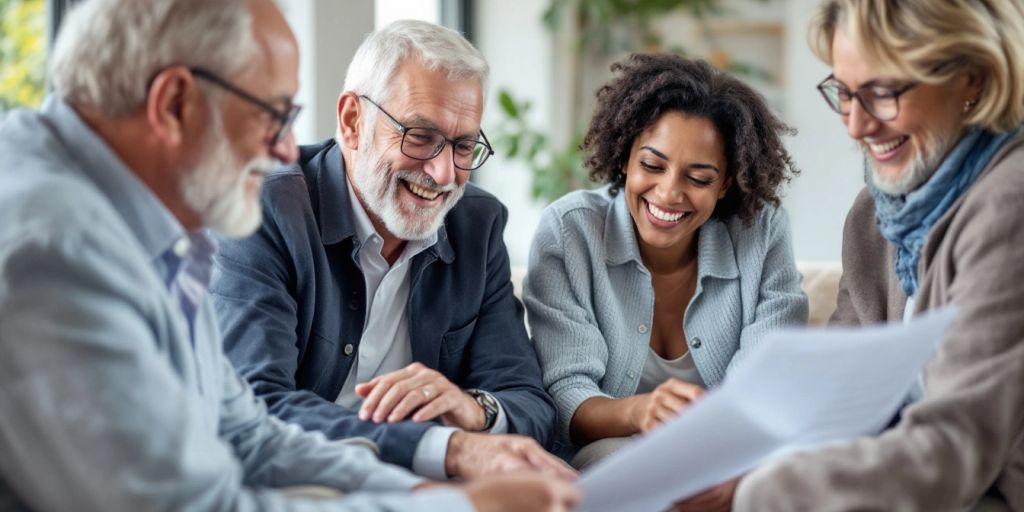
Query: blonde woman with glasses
[[933, 93]]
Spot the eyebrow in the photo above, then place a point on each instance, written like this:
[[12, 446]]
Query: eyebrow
[[888, 83], [695, 165], [418, 121]]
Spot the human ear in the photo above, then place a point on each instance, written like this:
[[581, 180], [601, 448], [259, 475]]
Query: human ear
[[350, 119], [174, 106], [725, 187]]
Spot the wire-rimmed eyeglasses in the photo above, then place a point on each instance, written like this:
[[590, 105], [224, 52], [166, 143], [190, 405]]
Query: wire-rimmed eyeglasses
[[283, 118], [881, 102], [422, 143]]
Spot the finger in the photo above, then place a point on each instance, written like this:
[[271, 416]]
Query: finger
[[381, 385], [434, 408], [684, 390], [364, 389], [545, 462], [669, 401], [373, 398], [413, 400], [664, 415], [566, 496], [408, 380], [396, 394]]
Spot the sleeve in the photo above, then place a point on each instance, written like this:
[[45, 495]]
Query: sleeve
[[868, 285], [502, 360], [278, 454], [952, 445], [258, 295], [781, 300], [571, 347], [93, 417]]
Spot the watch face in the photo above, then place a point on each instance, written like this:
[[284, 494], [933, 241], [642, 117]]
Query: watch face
[[489, 405]]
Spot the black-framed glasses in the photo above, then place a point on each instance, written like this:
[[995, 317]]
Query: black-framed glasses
[[883, 103], [283, 118], [422, 143]]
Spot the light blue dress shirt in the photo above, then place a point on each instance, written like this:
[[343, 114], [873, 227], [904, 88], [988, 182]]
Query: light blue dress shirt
[[114, 392]]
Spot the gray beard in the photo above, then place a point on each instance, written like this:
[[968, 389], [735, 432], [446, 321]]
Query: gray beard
[[378, 185], [917, 172]]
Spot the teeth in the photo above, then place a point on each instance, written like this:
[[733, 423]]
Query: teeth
[[429, 195], [662, 214], [886, 147]]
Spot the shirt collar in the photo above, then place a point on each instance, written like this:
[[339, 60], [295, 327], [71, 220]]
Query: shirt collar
[[619, 232], [152, 224]]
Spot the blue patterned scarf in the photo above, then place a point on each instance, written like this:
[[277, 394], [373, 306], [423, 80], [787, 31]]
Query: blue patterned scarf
[[906, 220]]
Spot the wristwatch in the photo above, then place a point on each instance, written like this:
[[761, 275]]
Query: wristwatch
[[488, 403]]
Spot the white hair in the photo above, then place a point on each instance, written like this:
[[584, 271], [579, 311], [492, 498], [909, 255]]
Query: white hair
[[436, 47], [108, 51]]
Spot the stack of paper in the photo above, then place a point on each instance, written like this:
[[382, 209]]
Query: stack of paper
[[800, 389]]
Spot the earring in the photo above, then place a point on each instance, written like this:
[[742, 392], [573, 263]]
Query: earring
[[969, 104]]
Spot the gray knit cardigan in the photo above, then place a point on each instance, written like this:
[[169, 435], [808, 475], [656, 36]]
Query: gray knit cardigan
[[590, 301]]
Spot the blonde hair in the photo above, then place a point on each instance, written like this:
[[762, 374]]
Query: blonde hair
[[932, 41]]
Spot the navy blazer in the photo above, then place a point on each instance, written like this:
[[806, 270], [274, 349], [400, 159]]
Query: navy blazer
[[292, 302]]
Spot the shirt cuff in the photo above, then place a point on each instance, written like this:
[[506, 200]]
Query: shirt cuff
[[501, 421], [428, 460]]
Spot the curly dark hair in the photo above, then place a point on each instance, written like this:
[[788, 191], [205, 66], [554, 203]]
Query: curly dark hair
[[650, 85]]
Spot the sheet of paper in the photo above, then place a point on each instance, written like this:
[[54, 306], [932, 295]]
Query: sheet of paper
[[799, 389]]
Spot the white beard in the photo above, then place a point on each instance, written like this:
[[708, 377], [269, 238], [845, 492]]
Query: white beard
[[216, 188], [919, 170], [378, 187]]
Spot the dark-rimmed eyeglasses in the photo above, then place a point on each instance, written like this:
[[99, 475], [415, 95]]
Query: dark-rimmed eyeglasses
[[422, 143], [883, 103], [282, 118]]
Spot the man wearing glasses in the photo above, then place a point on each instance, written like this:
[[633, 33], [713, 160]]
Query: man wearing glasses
[[375, 300], [115, 394]]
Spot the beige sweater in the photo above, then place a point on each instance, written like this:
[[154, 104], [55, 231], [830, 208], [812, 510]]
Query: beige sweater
[[966, 437]]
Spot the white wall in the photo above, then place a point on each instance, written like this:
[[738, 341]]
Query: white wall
[[519, 51], [329, 31], [831, 165]]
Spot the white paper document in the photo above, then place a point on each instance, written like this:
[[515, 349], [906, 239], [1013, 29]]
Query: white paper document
[[801, 388]]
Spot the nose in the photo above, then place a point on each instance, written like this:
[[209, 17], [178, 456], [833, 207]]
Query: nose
[[859, 123], [285, 151], [670, 187], [442, 167]]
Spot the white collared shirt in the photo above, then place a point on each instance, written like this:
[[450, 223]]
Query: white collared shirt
[[385, 345]]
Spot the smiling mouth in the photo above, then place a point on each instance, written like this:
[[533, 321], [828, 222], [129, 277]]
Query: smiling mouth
[[420, 192], [664, 215], [884, 148]]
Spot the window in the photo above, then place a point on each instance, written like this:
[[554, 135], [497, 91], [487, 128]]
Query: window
[[23, 45], [387, 11]]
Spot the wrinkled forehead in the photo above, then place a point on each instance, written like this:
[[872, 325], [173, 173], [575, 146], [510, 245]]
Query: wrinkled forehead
[[434, 99]]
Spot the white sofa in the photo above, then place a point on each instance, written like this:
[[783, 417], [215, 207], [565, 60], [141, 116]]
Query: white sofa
[[821, 283]]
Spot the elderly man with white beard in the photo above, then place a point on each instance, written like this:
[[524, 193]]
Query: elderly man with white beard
[[115, 394], [375, 300]]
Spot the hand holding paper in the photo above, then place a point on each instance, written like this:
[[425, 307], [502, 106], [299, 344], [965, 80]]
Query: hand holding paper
[[801, 389]]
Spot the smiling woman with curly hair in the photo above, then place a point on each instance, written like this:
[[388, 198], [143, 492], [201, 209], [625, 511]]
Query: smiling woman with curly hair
[[643, 293], [652, 85]]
